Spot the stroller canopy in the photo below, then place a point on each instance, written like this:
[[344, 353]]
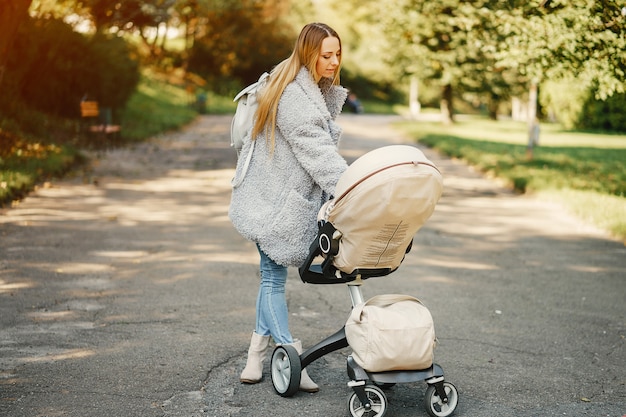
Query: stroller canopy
[[381, 201]]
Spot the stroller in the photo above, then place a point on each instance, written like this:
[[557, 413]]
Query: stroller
[[382, 200]]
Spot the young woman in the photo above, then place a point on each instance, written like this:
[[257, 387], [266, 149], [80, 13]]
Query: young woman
[[294, 168]]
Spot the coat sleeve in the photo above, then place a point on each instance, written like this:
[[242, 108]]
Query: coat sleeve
[[307, 130]]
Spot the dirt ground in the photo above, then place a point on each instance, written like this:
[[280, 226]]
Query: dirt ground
[[125, 291]]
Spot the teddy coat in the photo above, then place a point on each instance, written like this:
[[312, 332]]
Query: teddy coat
[[277, 201]]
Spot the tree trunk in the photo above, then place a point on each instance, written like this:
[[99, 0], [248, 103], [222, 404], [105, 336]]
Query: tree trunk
[[11, 16], [492, 111], [164, 38], [532, 102], [492, 106], [533, 123], [414, 103], [447, 109]]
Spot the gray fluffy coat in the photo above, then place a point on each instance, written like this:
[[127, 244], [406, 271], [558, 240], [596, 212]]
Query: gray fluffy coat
[[277, 202]]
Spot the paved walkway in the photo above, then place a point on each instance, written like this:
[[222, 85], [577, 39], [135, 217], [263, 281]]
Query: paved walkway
[[125, 291]]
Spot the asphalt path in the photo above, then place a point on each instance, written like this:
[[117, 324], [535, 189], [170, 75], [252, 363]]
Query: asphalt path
[[125, 291]]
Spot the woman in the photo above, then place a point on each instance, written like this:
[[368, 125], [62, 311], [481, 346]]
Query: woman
[[294, 168]]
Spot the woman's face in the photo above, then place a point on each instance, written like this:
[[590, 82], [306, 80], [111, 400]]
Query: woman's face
[[329, 58]]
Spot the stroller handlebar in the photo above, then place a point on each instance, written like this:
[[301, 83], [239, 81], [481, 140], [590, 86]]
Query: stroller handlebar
[[325, 272]]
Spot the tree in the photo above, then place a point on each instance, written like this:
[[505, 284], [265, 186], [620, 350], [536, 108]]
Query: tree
[[430, 40], [143, 17], [490, 49], [484, 79], [241, 43], [12, 14], [53, 67], [563, 39]]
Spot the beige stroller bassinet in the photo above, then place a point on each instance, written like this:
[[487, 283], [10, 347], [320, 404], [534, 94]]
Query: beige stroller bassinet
[[381, 201]]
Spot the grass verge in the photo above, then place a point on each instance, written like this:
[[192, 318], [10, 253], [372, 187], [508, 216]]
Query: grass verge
[[28, 159], [154, 108], [27, 163], [584, 172]]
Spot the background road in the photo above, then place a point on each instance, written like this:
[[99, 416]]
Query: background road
[[125, 291]]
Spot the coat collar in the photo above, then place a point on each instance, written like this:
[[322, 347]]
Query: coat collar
[[329, 98]]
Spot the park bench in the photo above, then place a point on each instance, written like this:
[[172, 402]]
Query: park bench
[[97, 121]]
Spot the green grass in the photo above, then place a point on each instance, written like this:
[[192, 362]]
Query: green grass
[[583, 171], [27, 160], [154, 108], [378, 107], [27, 164], [159, 106]]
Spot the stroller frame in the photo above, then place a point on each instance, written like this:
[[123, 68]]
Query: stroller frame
[[367, 398]]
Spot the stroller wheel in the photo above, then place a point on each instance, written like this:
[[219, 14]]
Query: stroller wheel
[[286, 370], [378, 401], [435, 406]]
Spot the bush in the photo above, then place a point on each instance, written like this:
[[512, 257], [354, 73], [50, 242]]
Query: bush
[[118, 70], [367, 89], [155, 107], [51, 68], [24, 163], [43, 64], [605, 115], [563, 101], [573, 104]]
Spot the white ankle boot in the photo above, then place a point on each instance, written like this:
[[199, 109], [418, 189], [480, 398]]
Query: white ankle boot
[[306, 383], [253, 372]]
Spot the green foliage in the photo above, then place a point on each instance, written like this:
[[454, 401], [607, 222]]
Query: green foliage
[[608, 115], [575, 106], [51, 68], [240, 44], [580, 37], [483, 51], [367, 89], [117, 72], [453, 45], [156, 107], [374, 107], [563, 100], [24, 163], [490, 50], [128, 13], [44, 64], [558, 167]]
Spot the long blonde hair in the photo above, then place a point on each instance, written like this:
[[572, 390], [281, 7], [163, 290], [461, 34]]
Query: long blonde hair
[[306, 52]]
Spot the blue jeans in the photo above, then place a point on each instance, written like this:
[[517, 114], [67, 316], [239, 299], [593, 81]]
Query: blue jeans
[[271, 304]]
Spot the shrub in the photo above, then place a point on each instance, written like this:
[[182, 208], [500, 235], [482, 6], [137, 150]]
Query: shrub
[[118, 70], [563, 101], [51, 68], [605, 115]]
